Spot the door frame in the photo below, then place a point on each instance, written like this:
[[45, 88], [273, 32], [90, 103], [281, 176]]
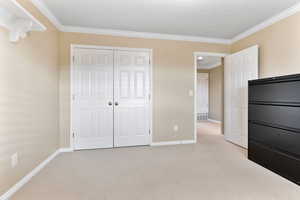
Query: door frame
[[72, 50], [196, 54]]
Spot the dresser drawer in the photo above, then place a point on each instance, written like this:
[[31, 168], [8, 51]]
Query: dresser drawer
[[262, 134], [282, 164], [278, 92], [286, 166], [260, 154], [282, 140], [281, 115]]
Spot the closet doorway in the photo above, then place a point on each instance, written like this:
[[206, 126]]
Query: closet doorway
[[111, 97]]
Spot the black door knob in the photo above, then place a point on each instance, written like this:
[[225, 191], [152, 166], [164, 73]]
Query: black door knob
[[116, 103], [109, 103]]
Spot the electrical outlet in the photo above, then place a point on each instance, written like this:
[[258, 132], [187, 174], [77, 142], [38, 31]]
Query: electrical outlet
[[191, 93], [175, 128], [14, 160]]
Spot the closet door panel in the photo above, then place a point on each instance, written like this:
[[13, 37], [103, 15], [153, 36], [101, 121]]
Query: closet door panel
[[92, 90], [131, 98]]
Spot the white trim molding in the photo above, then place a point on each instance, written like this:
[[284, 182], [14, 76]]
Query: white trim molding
[[210, 66], [286, 13], [45, 11], [199, 53], [66, 150], [147, 35], [31, 174], [81, 46], [168, 143], [195, 93], [214, 121]]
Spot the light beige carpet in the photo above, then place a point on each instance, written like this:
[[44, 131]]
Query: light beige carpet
[[212, 169], [209, 128]]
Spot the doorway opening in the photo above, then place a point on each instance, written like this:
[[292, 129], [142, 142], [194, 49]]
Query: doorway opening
[[232, 107], [209, 95]]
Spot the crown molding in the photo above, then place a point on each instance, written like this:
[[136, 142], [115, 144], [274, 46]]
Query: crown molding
[[276, 18], [44, 10], [147, 35], [199, 53]]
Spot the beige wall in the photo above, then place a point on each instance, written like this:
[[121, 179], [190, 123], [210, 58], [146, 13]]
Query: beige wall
[[28, 100], [216, 86], [173, 77], [279, 47]]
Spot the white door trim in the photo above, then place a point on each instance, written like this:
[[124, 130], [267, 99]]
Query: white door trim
[[196, 54], [73, 47]]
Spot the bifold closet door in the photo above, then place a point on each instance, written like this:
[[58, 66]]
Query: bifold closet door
[[239, 69], [131, 98], [92, 104]]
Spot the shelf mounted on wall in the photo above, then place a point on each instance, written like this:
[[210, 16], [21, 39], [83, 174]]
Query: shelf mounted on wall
[[18, 21]]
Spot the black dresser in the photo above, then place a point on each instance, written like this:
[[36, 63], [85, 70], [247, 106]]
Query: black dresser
[[274, 125]]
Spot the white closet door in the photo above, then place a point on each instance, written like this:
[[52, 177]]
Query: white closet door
[[92, 91], [131, 89], [239, 68], [202, 95]]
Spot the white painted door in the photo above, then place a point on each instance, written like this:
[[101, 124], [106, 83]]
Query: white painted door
[[131, 98], [202, 96], [239, 68], [92, 105]]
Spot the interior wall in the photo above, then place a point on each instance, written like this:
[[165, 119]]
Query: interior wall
[[28, 100], [216, 87], [279, 47], [173, 67]]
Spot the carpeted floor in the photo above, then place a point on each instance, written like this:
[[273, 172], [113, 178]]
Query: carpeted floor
[[209, 128], [212, 169]]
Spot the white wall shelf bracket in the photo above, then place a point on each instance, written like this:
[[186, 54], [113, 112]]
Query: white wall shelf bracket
[[18, 21]]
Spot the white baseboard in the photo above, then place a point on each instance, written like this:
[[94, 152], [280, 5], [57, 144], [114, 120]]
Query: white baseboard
[[65, 150], [215, 121], [188, 142], [27, 178], [173, 142], [31, 174]]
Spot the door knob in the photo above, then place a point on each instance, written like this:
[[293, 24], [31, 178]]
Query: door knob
[[116, 103], [110, 103]]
